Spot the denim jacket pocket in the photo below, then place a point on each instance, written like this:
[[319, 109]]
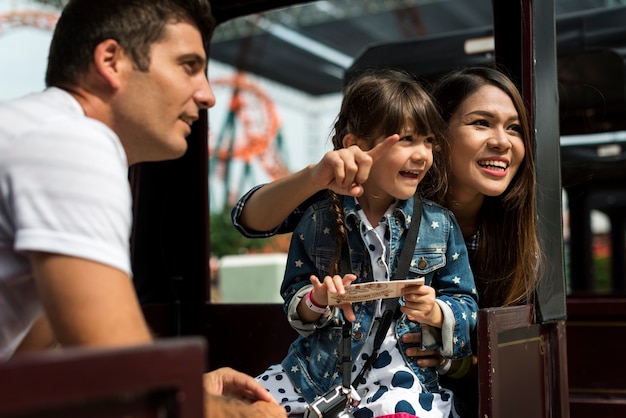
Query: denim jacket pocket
[[322, 358], [324, 257], [426, 261], [323, 343]]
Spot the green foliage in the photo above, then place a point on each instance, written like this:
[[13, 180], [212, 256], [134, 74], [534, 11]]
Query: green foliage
[[225, 239], [602, 267]]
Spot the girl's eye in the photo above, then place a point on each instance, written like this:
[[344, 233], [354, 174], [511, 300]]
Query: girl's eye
[[411, 138]]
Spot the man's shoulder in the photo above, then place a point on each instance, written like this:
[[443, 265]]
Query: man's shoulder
[[50, 121], [52, 99], [38, 111]]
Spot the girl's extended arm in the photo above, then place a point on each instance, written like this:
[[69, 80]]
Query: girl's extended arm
[[271, 204], [341, 171]]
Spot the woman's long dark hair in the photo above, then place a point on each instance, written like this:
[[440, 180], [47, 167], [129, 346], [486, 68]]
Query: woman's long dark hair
[[505, 264]]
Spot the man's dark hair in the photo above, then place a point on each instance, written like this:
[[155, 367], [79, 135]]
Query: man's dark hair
[[134, 24]]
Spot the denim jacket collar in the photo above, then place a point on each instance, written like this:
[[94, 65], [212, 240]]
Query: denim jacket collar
[[403, 212]]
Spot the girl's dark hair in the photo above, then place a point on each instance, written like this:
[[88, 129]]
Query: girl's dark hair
[[505, 264], [377, 104], [134, 24]]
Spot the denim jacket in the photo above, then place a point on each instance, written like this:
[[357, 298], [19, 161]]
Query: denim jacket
[[312, 362]]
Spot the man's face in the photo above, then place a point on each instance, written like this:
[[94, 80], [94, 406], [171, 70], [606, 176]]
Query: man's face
[[155, 109]]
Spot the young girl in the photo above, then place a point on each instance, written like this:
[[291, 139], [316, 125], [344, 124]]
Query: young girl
[[378, 106]]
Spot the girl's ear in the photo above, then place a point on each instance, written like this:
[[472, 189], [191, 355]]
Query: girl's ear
[[349, 140]]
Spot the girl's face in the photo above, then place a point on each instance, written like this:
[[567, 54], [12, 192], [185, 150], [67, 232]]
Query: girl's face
[[396, 174], [486, 144]]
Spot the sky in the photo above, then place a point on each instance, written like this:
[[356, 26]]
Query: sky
[[23, 55]]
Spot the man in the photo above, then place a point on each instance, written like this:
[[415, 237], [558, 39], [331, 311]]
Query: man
[[126, 79]]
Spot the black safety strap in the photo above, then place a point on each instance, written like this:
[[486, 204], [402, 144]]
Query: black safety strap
[[391, 305]]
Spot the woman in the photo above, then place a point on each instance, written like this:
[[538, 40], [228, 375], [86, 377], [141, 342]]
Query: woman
[[490, 188], [491, 180]]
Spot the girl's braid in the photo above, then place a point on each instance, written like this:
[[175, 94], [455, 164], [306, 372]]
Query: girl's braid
[[341, 129], [340, 238]]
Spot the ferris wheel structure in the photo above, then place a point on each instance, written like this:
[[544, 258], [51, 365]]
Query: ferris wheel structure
[[39, 19], [248, 136]]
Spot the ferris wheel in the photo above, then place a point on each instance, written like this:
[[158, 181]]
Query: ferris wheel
[[40, 19], [248, 135]]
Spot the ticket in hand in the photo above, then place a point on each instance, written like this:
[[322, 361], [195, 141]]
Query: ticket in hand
[[362, 292]]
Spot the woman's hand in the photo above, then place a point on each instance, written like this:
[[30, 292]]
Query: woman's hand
[[423, 358]]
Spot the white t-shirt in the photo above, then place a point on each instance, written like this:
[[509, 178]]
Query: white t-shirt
[[63, 189]]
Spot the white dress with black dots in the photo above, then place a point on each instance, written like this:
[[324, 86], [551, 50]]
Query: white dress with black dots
[[389, 386]]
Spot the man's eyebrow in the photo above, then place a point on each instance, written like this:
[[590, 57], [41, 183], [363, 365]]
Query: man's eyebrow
[[194, 57]]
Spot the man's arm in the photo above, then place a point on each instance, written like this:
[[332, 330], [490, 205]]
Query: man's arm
[[88, 303], [224, 407], [39, 337]]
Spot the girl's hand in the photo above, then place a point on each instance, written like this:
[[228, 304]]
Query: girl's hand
[[334, 285], [344, 170], [421, 306]]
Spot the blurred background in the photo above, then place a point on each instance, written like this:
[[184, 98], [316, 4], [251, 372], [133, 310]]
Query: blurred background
[[277, 78]]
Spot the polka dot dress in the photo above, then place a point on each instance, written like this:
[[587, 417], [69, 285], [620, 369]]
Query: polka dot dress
[[389, 386]]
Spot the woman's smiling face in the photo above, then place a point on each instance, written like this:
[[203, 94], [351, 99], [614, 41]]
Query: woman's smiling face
[[486, 144]]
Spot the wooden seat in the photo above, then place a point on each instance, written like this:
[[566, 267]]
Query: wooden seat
[[518, 376], [596, 328], [159, 380], [247, 337]]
